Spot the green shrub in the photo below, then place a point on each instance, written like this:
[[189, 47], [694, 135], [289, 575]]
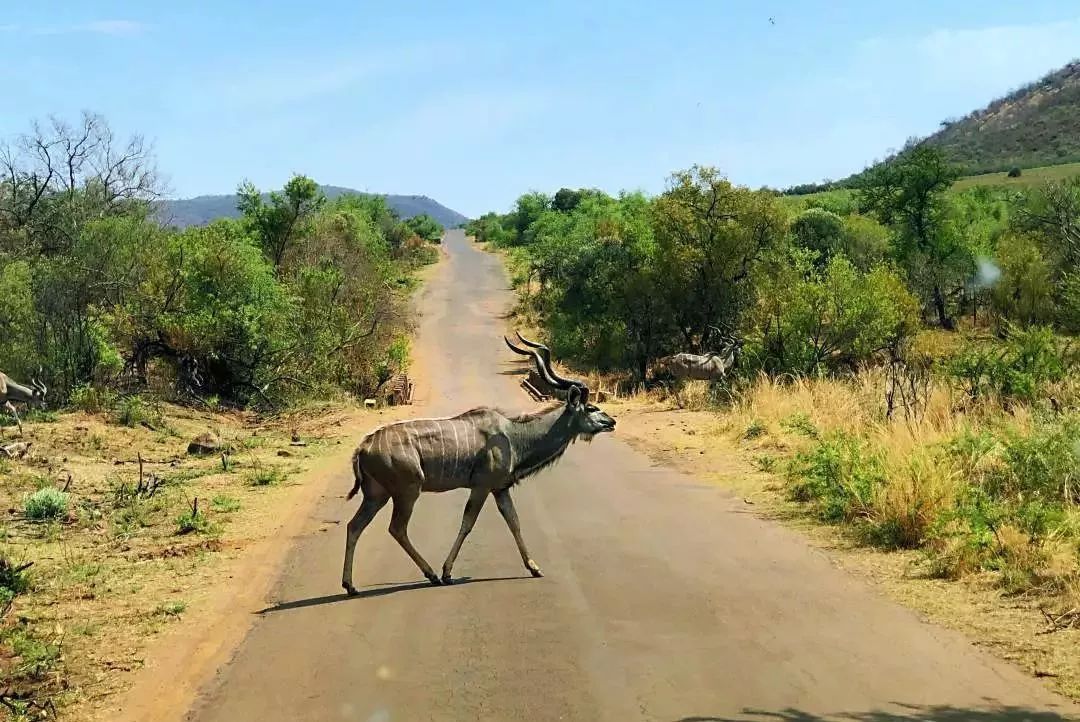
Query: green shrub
[[818, 230], [92, 399], [14, 580], [839, 475], [36, 657], [46, 504], [755, 429], [192, 521], [225, 504], [1029, 361], [1043, 466], [171, 609], [765, 463], [812, 319], [800, 423], [266, 476], [135, 410]]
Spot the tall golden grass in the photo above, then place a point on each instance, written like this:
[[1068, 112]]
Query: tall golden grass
[[923, 486]]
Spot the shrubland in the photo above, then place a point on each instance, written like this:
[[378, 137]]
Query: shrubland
[[909, 365]]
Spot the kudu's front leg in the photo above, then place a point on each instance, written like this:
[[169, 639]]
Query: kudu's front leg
[[472, 510], [509, 513], [11, 407]]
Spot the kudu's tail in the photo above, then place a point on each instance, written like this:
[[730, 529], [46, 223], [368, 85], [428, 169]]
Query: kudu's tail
[[358, 473]]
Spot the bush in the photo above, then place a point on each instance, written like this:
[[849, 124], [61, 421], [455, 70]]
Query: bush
[[14, 580], [266, 476], [134, 410], [1015, 172], [811, 319], [839, 475], [818, 230], [46, 504], [92, 399], [1030, 360], [192, 521], [225, 504]]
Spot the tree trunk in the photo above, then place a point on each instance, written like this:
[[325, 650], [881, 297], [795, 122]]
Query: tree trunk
[[939, 306]]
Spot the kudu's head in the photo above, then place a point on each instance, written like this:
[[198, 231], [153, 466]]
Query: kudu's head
[[37, 392], [587, 419]]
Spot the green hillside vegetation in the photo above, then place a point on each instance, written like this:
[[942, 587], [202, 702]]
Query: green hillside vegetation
[[942, 322], [297, 296]]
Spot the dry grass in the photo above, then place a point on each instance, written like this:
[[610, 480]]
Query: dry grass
[[901, 483], [123, 564]]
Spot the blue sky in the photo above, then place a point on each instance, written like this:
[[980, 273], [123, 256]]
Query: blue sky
[[474, 103]]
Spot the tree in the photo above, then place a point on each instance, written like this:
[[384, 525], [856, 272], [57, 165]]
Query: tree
[[907, 194], [1024, 291], [818, 230], [1053, 211], [566, 200], [810, 317], [865, 241], [426, 227], [59, 176], [527, 210], [284, 220], [710, 234]]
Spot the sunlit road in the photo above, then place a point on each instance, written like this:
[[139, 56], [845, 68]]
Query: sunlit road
[[663, 599]]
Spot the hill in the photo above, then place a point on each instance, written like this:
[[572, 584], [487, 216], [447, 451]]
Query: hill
[[1034, 126], [204, 209]]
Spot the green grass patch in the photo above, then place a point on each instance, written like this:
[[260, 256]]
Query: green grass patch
[[225, 504], [756, 429], [46, 504], [170, 610], [266, 476]]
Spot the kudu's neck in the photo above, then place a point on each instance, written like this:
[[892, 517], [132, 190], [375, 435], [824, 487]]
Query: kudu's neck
[[18, 392], [541, 440]]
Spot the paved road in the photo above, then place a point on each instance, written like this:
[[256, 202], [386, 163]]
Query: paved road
[[663, 599]]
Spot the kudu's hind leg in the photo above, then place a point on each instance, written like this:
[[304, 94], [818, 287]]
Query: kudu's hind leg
[[509, 513], [468, 519], [372, 504], [399, 529]]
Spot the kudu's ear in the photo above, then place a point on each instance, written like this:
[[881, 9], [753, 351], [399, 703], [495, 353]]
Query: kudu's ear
[[573, 396]]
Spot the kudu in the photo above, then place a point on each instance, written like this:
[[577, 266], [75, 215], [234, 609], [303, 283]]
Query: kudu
[[700, 367], [32, 395], [484, 450]]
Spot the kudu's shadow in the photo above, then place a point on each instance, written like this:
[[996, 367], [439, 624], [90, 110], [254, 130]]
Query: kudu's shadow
[[908, 713], [380, 590]]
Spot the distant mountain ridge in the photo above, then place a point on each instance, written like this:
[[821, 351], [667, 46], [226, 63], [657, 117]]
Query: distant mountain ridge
[[201, 210]]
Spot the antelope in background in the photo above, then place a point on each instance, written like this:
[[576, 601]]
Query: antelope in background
[[701, 367], [484, 450], [32, 395]]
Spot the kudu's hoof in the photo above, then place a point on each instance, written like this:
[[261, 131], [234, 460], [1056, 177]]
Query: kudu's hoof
[[535, 571], [435, 581], [447, 580], [350, 590]]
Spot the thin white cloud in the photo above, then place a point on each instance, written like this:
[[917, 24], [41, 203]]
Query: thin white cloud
[[971, 59], [259, 84], [116, 28]]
